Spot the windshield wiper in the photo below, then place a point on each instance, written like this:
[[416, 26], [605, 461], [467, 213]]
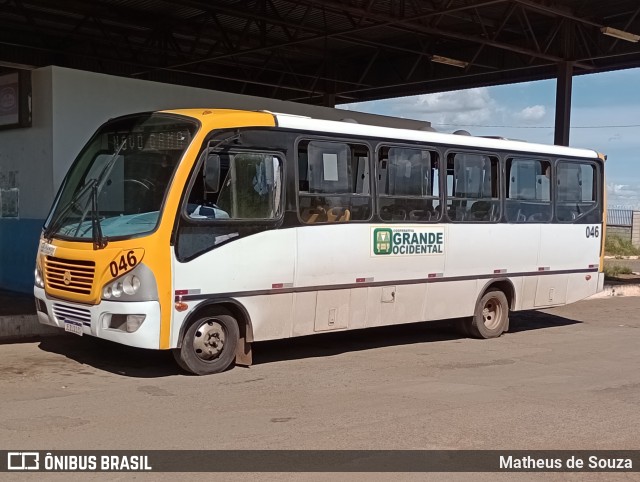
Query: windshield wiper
[[106, 170], [99, 241], [55, 223], [95, 185]]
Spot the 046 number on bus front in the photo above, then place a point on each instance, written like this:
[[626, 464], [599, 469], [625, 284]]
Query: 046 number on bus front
[[126, 262]]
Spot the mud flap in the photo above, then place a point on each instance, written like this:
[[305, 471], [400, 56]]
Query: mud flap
[[244, 354]]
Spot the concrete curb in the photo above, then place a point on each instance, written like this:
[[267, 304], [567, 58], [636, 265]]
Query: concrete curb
[[622, 257], [18, 327], [617, 290]]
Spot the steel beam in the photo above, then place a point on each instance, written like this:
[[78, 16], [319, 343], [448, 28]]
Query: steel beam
[[563, 103]]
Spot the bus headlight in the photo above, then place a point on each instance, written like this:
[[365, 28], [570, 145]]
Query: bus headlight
[[39, 279], [137, 285], [131, 284], [116, 288]]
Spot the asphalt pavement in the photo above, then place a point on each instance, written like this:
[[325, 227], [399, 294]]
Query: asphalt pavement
[[563, 378]]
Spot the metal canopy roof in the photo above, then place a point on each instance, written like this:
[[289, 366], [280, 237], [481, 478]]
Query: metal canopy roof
[[322, 52]]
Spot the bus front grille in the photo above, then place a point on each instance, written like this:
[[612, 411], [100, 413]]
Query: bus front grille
[[68, 313], [71, 275]]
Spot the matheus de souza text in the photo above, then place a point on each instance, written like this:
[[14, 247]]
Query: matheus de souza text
[[593, 462]]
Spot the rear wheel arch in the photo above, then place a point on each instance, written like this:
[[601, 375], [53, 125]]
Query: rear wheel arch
[[503, 284], [497, 298]]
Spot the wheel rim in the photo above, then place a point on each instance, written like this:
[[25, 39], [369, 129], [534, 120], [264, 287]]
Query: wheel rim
[[492, 313], [209, 339]]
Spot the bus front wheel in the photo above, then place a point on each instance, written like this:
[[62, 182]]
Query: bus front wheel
[[491, 316], [209, 345]]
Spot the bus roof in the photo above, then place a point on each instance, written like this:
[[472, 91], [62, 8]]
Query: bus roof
[[309, 124], [244, 118]]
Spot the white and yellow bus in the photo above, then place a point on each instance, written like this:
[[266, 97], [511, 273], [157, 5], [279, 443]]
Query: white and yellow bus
[[204, 230]]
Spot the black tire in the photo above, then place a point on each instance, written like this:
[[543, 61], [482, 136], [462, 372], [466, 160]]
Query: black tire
[[209, 344], [491, 317]]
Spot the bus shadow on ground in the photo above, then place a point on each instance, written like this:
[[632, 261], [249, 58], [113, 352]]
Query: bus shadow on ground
[[140, 363], [328, 344], [537, 320], [112, 357]]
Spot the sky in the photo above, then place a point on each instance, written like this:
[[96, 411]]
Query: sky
[[605, 116]]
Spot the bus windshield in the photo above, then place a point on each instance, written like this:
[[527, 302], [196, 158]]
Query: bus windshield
[[117, 185]]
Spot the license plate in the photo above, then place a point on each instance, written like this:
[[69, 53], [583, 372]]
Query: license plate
[[75, 328], [47, 249]]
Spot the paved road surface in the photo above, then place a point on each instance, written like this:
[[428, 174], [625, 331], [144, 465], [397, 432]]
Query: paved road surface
[[567, 378]]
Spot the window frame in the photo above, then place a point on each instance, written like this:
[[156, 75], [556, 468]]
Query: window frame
[[511, 156], [597, 188], [296, 168], [501, 174], [230, 221], [378, 196]]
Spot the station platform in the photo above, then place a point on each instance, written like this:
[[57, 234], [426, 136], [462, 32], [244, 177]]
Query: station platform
[[12, 303], [18, 320]]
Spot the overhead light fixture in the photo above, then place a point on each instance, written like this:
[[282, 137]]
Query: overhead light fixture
[[620, 34], [449, 61]]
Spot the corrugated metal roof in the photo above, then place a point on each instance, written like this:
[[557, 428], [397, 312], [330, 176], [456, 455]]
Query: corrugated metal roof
[[315, 51], [619, 217]]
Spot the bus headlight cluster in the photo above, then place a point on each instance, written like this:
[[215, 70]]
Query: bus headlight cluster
[[128, 285], [139, 284], [39, 279]]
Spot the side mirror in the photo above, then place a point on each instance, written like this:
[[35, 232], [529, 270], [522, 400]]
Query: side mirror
[[211, 172]]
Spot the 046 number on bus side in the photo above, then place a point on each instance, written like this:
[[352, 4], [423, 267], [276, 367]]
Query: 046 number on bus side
[[592, 232]]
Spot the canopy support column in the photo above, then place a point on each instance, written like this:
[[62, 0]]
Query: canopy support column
[[563, 103]]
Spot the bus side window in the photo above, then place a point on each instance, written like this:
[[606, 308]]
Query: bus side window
[[473, 193], [576, 192], [250, 188], [407, 184], [528, 190], [333, 182]]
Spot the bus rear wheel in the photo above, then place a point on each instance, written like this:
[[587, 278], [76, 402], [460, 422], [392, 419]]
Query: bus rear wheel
[[209, 345], [491, 316]]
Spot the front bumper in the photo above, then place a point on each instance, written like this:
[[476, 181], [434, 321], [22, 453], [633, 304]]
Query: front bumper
[[93, 319]]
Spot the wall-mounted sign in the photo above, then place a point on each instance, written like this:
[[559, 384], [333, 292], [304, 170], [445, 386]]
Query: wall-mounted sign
[[15, 99]]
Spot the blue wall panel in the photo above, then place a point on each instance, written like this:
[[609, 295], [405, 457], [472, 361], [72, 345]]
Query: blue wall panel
[[18, 247]]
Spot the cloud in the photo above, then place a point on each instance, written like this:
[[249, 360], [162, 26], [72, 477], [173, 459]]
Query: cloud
[[460, 101], [473, 106], [531, 114], [623, 196]]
